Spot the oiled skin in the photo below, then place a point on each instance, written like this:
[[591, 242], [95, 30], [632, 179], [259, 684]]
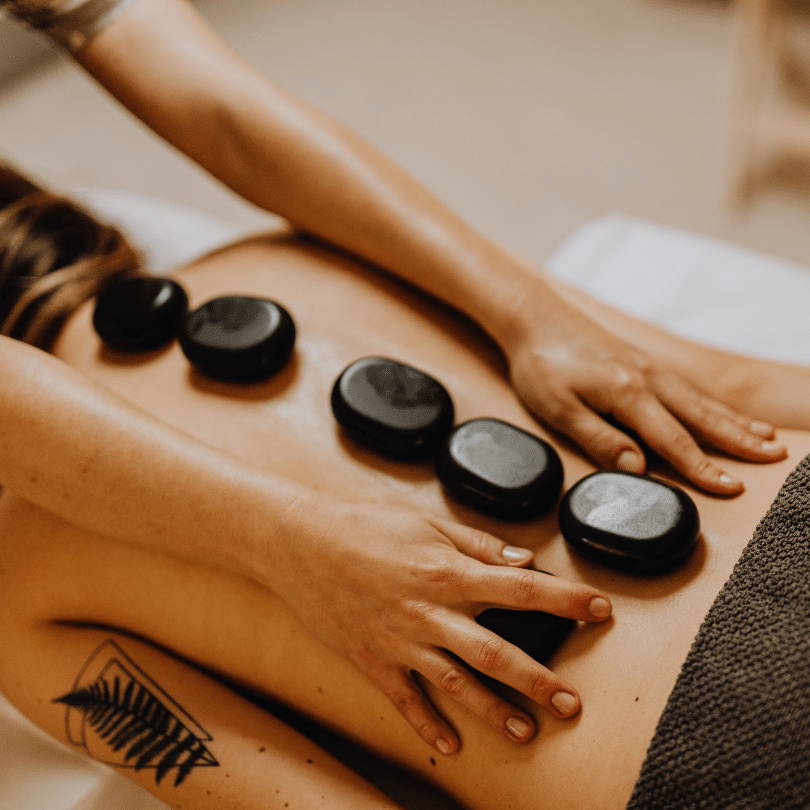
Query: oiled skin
[[624, 669]]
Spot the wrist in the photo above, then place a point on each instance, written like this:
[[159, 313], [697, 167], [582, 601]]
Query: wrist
[[509, 299], [294, 530]]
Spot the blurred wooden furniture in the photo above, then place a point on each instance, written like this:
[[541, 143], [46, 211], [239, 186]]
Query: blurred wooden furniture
[[770, 112]]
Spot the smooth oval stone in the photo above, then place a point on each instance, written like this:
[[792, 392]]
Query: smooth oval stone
[[238, 338], [392, 408], [140, 314], [629, 522], [500, 469], [537, 633]]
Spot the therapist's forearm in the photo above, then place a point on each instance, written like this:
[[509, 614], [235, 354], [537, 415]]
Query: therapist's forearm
[[164, 63], [332, 184], [78, 450]]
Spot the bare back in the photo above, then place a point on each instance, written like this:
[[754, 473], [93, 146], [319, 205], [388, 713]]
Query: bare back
[[623, 669]]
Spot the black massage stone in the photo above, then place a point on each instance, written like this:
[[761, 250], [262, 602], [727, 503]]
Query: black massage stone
[[140, 314], [391, 408], [537, 633], [629, 522], [500, 469], [238, 338]]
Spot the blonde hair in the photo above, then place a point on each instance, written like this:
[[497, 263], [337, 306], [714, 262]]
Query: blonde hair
[[54, 256]]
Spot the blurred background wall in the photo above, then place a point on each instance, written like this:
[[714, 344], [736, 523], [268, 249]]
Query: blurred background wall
[[20, 52], [529, 117]]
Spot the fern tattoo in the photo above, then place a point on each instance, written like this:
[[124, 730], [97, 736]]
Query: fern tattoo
[[115, 706]]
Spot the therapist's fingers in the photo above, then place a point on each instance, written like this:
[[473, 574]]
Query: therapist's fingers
[[495, 657], [482, 546], [671, 420], [629, 394], [454, 679], [457, 681], [478, 587], [718, 425], [667, 436], [485, 586], [625, 394], [411, 702], [486, 652], [663, 433], [526, 589]]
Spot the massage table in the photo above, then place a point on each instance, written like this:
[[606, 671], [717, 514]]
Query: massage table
[[697, 287]]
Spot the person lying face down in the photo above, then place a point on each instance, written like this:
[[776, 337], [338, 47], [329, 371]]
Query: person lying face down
[[361, 559], [205, 506], [160, 60]]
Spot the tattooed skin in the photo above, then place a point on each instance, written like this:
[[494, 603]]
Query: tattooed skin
[[121, 717]]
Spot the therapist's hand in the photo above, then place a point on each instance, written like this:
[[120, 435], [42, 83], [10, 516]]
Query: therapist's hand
[[397, 591], [569, 371]]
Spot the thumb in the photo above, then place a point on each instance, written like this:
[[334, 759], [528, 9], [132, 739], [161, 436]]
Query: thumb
[[485, 547]]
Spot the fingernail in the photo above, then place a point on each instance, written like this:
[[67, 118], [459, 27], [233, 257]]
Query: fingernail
[[724, 478], [564, 702], [629, 461], [772, 447], [514, 553], [518, 727], [443, 746], [599, 607]]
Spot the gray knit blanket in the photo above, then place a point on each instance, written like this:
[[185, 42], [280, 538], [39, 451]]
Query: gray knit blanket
[[736, 731]]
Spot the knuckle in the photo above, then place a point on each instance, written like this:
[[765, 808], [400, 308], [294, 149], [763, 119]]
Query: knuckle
[[427, 731], [493, 713], [557, 411], [572, 599], [421, 614], [645, 365], [539, 685], [492, 654], [742, 422], [453, 681], [405, 702], [605, 441], [440, 572], [524, 587], [683, 444], [699, 410], [703, 468], [483, 545], [628, 384], [559, 403], [747, 441]]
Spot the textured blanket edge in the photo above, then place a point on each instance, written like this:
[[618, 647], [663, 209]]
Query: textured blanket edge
[[735, 733]]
